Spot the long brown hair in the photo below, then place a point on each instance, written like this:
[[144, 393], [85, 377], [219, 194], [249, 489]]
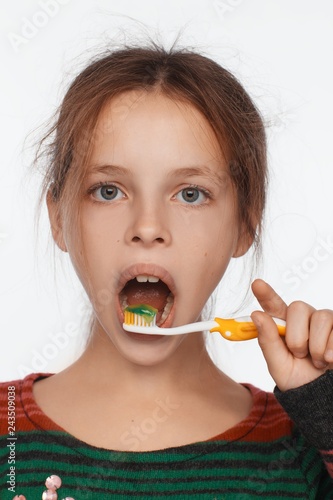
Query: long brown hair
[[179, 74]]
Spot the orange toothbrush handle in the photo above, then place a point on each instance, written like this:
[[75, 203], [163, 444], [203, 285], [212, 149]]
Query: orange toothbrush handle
[[242, 328]]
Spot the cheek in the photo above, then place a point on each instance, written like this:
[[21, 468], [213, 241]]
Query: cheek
[[97, 247], [101, 234], [209, 232], [210, 244]]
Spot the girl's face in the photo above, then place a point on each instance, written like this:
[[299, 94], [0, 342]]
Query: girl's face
[[158, 205]]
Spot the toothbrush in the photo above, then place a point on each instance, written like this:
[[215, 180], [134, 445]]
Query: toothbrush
[[141, 318]]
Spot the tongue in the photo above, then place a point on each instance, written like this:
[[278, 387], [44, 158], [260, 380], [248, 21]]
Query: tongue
[[153, 294]]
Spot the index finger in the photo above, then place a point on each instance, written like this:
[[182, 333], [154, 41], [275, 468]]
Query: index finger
[[269, 300]]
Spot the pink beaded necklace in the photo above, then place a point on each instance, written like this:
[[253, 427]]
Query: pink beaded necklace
[[52, 484]]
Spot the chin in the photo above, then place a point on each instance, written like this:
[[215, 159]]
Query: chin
[[151, 351]]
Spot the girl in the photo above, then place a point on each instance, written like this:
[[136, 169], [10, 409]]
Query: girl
[[156, 180]]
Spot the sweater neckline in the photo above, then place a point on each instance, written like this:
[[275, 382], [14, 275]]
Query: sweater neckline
[[44, 423]]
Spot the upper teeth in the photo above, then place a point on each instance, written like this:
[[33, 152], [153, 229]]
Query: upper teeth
[[143, 278]]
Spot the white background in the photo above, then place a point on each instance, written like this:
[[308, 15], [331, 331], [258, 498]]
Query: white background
[[282, 53]]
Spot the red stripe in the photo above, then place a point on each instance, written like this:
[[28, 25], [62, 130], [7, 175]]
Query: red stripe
[[268, 421], [28, 416]]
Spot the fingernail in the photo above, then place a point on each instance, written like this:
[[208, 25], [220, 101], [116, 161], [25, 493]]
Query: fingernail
[[329, 356], [257, 322], [320, 364]]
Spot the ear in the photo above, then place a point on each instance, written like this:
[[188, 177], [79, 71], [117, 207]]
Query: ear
[[243, 244], [55, 221]]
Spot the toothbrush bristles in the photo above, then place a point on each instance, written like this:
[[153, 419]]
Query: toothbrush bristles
[[131, 318]]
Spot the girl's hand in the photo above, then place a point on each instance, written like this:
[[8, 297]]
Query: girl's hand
[[306, 352]]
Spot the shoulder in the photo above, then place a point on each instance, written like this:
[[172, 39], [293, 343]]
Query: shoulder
[[271, 422], [6, 387], [19, 387], [15, 397], [10, 392]]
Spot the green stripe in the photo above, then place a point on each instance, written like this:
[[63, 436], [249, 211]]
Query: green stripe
[[282, 469]]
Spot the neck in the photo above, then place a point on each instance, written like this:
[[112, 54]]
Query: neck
[[102, 366]]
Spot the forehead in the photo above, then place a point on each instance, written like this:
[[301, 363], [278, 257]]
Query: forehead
[[147, 120]]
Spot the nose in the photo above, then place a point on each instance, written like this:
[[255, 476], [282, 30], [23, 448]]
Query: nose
[[149, 226]]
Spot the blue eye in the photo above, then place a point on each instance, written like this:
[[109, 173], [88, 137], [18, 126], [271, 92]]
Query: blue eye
[[192, 195], [107, 192]]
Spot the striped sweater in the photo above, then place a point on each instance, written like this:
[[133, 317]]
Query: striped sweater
[[265, 456]]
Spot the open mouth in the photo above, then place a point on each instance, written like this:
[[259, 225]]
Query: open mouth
[[150, 290]]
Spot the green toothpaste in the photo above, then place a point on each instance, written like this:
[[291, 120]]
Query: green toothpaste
[[144, 310]]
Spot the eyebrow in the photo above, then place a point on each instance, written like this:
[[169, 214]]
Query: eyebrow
[[110, 169], [219, 177], [190, 171]]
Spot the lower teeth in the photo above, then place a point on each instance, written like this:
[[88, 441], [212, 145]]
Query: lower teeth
[[167, 309], [124, 302]]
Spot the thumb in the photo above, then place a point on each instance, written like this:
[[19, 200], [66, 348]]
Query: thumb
[[276, 353]]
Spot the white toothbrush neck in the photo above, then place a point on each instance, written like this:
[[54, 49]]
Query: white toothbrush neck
[[177, 330]]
